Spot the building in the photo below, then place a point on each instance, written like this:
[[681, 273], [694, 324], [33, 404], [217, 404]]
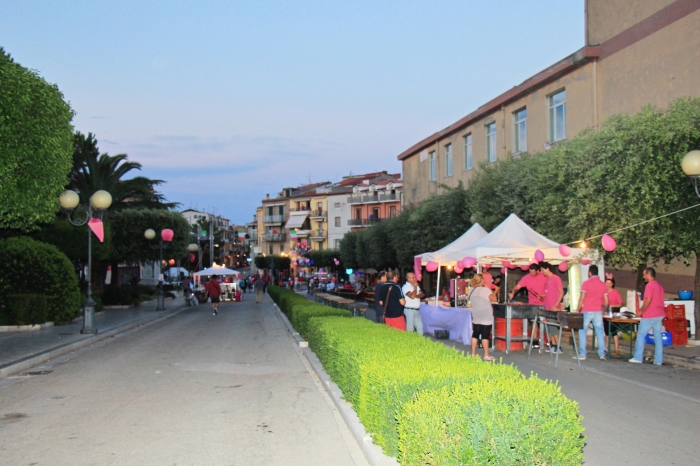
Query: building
[[213, 233], [636, 52]]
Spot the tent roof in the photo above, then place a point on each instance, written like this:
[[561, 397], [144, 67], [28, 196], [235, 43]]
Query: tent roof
[[216, 270], [514, 241], [450, 254]]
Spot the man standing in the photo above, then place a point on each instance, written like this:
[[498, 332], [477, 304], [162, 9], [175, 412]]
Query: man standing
[[652, 313], [378, 304], [553, 294], [594, 296], [413, 294], [259, 287], [534, 283], [214, 290], [393, 302]]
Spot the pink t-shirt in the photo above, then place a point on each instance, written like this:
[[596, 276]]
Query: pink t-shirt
[[533, 283], [593, 299], [488, 281], [614, 298], [655, 291], [552, 290]]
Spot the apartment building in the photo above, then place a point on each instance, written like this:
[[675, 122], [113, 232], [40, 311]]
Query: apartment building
[[636, 52], [219, 226]]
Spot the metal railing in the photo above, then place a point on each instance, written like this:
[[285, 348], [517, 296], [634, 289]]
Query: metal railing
[[273, 219], [355, 222], [373, 198], [355, 200], [387, 197], [274, 237], [318, 214]]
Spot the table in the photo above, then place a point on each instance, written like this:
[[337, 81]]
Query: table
[[628, 326], [457, 320], [511, 311]]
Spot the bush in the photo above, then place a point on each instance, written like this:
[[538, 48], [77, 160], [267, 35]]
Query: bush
[[32, 266], [428, 404], [26, 309]]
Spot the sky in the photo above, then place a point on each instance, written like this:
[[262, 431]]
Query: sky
[[228, 101]]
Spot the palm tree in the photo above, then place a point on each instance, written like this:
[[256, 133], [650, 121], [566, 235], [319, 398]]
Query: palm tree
[[93, 171]]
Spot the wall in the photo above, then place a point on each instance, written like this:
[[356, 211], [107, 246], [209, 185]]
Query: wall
[[607, 18]]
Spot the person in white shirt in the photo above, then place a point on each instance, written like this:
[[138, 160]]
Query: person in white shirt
[[330, 286], [412, 294]]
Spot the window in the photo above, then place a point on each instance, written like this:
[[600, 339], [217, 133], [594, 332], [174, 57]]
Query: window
[[337, 205], [281, 210], [557, 116], [281, 248], [358, 214], [520, 119], [392, 211], [271, 250], [448, 160], [320, 206], [320, 246], [337, 244], [337, 221], [375, 213], [468, 152], [433, 166], [270, 211], [491, 142]]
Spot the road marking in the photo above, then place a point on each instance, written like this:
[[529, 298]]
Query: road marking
[[643, 385]]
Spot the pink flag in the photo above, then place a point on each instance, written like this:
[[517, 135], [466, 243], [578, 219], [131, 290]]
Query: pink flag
[[98, 228]]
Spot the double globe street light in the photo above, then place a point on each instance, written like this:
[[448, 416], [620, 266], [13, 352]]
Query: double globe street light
[[166, 236], [691, 167], [100, 201]]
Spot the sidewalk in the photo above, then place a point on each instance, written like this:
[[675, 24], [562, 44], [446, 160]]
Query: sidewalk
[[21, 350]]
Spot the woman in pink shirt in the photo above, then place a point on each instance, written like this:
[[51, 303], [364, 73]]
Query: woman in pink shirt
[[615, 302]]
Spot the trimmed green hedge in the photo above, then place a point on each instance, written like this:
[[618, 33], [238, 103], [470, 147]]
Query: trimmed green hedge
[[426, 403], [26, 309], [300, 310]]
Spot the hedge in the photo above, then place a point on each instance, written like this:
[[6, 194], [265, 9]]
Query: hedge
[[299, 309], [26, 309], [428, 404]]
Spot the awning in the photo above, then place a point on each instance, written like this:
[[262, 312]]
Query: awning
[[296, 219]]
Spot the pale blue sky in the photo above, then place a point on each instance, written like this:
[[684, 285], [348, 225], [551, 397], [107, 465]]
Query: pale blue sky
[[228, 101]]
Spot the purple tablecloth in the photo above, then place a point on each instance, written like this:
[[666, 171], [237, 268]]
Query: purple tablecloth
[[457, 320]]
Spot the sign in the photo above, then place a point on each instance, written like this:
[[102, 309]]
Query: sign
[[203, 232]]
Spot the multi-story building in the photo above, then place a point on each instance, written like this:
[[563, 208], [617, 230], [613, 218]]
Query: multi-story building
[[211, 226], [637, 52]]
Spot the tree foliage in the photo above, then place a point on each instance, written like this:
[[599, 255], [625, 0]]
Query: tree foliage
[[35, 146]]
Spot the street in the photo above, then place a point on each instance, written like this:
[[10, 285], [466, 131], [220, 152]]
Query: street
[[195, 389]]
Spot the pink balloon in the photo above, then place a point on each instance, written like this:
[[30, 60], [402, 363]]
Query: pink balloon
[[431, 266], [539, 256], [459, 264], [503, 270], [167, 234], [564, 266], [469, 262], [512, 266], [609, 243], [585, 261], [524, 268], [505, 263], [486, 266], [459, 269], [564, 250]]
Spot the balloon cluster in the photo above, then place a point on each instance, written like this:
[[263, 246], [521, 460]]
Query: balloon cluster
[[302, 247], [336, 261]]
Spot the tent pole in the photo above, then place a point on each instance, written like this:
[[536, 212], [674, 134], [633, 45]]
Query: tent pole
[[437, 287], [505, 287]]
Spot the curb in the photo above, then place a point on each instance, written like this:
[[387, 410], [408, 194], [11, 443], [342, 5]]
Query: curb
[[373, 453], [25, 328], [52, 353]]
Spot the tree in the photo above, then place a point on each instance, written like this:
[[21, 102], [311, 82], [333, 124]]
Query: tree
[[128, 226], [92, 172], [35, 146], [347, 249]]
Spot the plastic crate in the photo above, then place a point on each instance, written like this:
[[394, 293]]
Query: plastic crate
[[666, 338], [675, 311], [680, 337]]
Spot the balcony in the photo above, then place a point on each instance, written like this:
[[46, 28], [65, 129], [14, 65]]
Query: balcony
[[274, 237], [388, 197], [318, 214], [363, 222], [355, 200], [355, 222], [372, 198], [301, 209], [273, 219]]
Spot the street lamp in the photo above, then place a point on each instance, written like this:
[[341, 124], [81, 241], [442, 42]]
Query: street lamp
[[691, 167], [166, 236], [100, 201]]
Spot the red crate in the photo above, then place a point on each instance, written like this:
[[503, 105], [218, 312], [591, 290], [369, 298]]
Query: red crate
[[679, 337], [675, 311]]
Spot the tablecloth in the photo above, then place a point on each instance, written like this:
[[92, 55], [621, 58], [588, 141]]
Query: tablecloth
[[457, 320]]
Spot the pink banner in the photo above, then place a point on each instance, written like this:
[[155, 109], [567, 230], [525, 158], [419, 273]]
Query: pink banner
[[416, 268], [98, 228]]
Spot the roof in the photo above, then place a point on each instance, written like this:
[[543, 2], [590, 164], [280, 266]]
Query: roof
[[562, 67]]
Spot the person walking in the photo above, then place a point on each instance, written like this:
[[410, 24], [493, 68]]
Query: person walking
[[652, 314], [481, 298], [259, 287], [378, 304], [594, 298], [243, 284], [412, 294], [214, 290], [393, 302]]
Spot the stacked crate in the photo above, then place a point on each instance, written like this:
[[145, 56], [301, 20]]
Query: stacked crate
[[675, 324]]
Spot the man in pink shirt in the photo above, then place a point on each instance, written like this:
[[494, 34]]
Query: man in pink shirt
[[534, 283], [594, 296], [652, 313], [553, 294]]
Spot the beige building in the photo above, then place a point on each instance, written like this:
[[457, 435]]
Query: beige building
[[637, 52]]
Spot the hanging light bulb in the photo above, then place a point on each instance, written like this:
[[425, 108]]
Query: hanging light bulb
[[583, 244]]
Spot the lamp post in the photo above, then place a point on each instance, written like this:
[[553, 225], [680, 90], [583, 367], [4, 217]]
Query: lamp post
[[166, 236], [691, 167], [100, 201]]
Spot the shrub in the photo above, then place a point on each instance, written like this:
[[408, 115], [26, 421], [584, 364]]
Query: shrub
[[32, 266], [26, 309]]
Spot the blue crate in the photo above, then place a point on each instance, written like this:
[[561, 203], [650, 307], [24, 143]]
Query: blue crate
[[665, 338]]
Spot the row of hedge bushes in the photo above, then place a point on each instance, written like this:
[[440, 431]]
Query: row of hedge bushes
[[425, 403]]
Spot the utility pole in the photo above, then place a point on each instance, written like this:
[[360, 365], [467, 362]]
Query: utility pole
[[211, 240]]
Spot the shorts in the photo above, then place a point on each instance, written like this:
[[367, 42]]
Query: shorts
[[483, 331], [399, 323], [214, 300]]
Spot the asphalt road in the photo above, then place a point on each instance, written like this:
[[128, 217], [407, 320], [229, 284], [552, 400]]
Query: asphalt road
[[195, 389]]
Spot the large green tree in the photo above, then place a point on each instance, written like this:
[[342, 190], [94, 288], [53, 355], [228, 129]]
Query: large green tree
[[35, 146]]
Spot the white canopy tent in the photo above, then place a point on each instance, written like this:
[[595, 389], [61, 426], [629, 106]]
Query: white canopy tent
[[450, 254], [217, 270]]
